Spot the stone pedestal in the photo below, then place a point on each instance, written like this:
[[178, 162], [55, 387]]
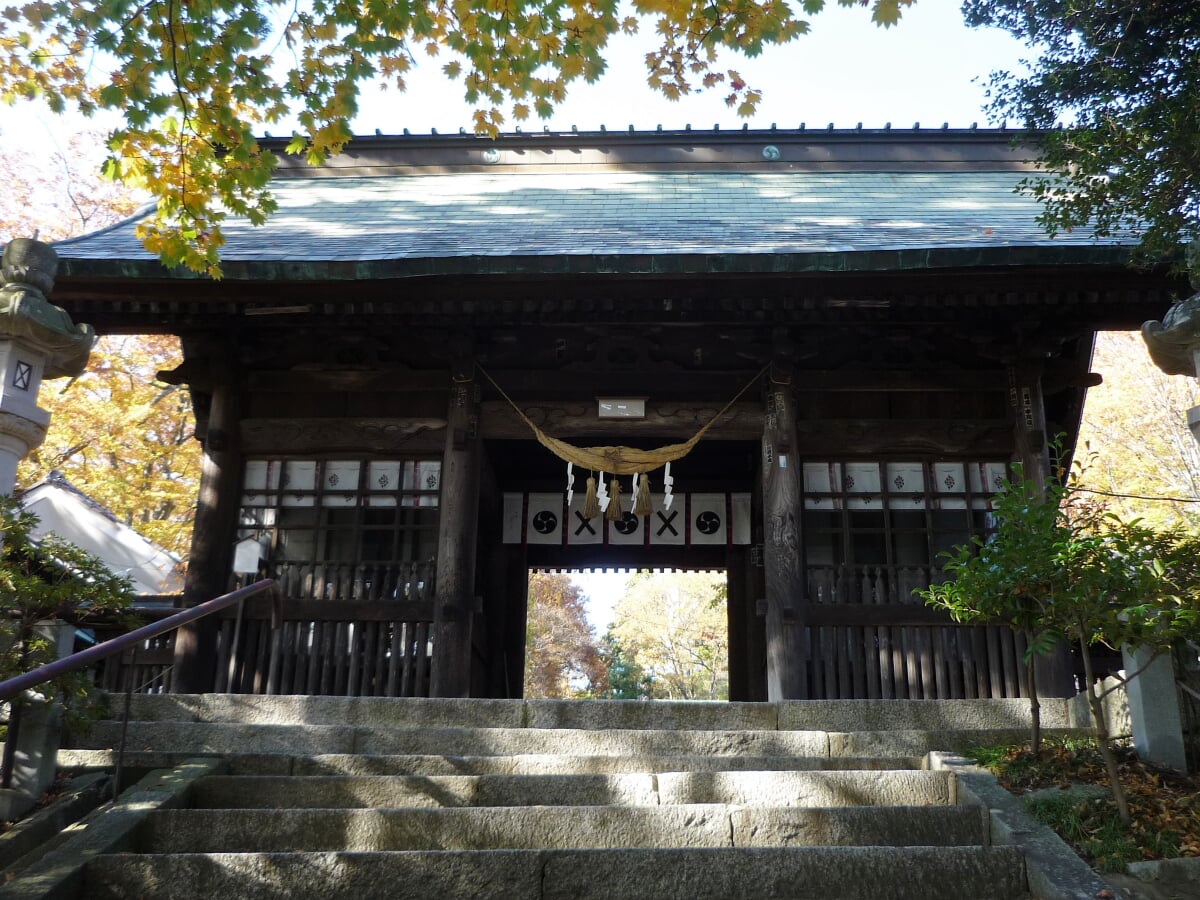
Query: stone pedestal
[[1154, 709], [38, 737]]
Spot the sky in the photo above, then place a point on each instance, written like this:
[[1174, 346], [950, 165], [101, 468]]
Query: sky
[[845, 71], [930, 69]]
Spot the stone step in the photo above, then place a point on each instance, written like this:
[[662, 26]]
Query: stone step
[[533, 828], [770, 873], [311, 740], [229, 738], [526, 764], [794, 715], [844, 788]]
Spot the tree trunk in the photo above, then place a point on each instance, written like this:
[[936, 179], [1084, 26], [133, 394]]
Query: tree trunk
[[1096, 705], [1035, 706]]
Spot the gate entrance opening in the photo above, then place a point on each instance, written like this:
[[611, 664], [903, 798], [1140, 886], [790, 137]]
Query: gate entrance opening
[[628, 635]]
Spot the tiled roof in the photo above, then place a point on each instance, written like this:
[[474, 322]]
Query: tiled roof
[[498, 214]]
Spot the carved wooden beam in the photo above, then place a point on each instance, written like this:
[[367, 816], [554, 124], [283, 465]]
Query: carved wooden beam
[[377, 380], [835, 438], [375, 435], [663, 420]]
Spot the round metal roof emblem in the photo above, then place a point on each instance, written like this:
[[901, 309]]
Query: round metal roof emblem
[[770, 153], [491, 156]]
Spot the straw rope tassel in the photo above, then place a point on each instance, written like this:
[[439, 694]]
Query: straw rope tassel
[[615, 513], [641, 501], [591, 503]]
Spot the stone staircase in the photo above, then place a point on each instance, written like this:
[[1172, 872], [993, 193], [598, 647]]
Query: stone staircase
[[372, 798]]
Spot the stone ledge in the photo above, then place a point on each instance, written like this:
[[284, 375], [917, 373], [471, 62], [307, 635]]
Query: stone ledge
[[32, 835], [1169, 873], [1054, 870], [108, 829]]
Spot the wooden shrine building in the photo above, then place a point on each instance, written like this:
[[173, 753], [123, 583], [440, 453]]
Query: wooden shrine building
[[899, 328]]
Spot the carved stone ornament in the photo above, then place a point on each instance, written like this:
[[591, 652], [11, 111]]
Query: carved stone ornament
[[28, 269], [1174, 342], [28, 432], [331, 435]]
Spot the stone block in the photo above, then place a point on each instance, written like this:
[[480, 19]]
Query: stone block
[[330, 876], [336, 792], [1154, 716], [920, 715], [809, 789], [635, 714], [818, 873], [363, 830], [877, 826]]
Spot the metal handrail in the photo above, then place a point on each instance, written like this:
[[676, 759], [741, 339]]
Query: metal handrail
[[13, 687]]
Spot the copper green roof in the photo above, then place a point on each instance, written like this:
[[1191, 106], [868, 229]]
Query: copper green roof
[[653, 217]]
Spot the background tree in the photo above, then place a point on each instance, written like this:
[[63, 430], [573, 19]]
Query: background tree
[[116, 432], [1124, 78], [1136, 424], [194, 82], [674, 628], [626, 679], [125, 439], [60, 195], [562, 658]]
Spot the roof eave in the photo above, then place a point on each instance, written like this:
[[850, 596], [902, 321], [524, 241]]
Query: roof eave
[[623, 265]]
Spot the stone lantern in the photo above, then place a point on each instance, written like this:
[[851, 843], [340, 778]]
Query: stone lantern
[[1174, 345], [37, 340]]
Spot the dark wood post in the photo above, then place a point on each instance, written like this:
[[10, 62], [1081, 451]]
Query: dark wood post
[[786, 676], [454, 605], [211, 558], [1052, 671]]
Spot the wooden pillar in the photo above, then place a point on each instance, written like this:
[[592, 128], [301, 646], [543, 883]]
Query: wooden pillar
[[210, 560], [1052, 670], [786, 677], [454, 604]]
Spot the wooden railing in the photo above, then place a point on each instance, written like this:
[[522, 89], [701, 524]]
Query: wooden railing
[[340, 630], [867, 636], [871, 585], [362, 583], [328, 647]]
